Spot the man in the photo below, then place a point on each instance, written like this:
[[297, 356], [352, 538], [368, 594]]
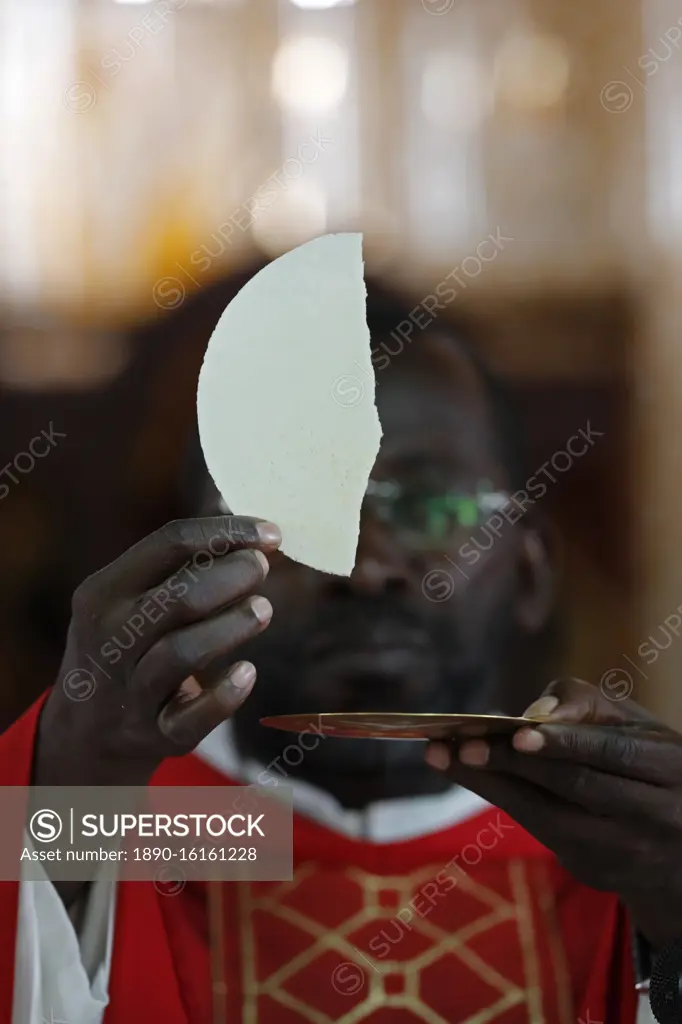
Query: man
[[413, 897]]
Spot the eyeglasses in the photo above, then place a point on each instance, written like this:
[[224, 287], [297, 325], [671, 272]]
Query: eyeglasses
[[427, 516], [431, 517]]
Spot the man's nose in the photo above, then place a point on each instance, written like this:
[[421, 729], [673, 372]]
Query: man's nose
[[380, 564]]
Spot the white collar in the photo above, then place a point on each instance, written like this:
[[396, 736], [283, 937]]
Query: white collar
[[386, 821]]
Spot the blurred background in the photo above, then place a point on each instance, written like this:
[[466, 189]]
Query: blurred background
[[151, 151]]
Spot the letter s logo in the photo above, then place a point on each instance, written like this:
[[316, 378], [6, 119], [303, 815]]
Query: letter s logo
[[45, 826]]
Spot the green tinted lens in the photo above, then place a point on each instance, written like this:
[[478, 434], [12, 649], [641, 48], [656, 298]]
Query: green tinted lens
[[465, 509], [449, 512], [411, 511], [434, 516]]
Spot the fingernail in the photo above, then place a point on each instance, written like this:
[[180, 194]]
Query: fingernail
[[474, 754], [188, 690], [242, 674], [438, 756], [265, 565], [269, 533], [543, 706], [528, 741], [262, 609]]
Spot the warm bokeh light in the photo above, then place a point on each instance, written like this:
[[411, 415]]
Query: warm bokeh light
[[454, 93], [310, 74], [299, 214], [532, 71], [455, 116]]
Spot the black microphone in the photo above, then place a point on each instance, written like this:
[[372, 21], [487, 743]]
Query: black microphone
[[665, 989]]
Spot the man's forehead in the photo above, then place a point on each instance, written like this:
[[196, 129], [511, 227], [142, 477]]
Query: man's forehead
[[433, 389]]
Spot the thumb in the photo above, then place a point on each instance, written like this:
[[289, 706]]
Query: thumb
[[194, 712], [574, 700]]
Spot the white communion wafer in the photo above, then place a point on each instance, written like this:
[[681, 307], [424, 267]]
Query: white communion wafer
[[287, 419]]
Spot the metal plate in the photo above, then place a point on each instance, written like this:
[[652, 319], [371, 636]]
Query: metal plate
[[398, 726]]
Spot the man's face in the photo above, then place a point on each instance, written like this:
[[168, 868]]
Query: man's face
[[418, 626]]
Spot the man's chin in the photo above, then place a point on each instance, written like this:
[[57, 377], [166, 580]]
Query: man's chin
[[360, 772]]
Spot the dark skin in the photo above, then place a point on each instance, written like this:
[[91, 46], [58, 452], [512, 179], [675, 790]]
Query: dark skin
[[141, 714], [374, 641], [604, 797], [602, 788], [333, 642]]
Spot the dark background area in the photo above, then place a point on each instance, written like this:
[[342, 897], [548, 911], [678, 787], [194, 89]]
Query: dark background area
[[116, 475]]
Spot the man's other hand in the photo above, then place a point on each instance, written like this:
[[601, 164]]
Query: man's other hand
[[601, 786]]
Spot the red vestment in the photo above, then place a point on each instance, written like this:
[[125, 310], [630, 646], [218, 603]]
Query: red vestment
[[364, 932]]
